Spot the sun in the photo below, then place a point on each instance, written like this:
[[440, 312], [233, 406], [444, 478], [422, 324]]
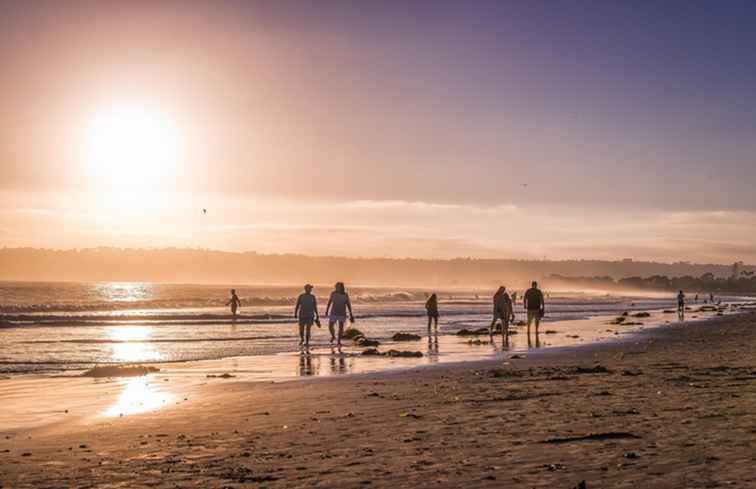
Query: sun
[[132, 148]]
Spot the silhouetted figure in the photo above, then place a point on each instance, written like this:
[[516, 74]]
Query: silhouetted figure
[[711, 297], [504, 312], [336, 310], [535, 305], [234, 302], [306, 310], [514, 298], [681, 304], [695, 299], [431, 307]]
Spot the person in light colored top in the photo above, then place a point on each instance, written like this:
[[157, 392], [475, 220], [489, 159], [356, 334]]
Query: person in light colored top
[[336, 310], [306, 311]]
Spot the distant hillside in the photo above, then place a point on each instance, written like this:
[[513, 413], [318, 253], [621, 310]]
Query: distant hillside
[[207, 266]]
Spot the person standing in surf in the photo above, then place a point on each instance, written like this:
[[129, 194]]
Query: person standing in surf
[[503, 311], [336, 310], [234, 302], [535, 305], [681, 304], [431, 307]]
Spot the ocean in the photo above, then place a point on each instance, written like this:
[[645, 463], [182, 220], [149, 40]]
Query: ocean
[[54, 327]]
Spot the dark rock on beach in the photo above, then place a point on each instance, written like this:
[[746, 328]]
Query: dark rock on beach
[[405, 337]]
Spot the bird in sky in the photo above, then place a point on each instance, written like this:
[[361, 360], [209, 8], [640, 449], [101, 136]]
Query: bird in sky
[[204, 211]]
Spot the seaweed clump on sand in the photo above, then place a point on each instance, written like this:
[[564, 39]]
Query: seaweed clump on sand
[[366, 342], [405, 337], [476, 332], [618, 320], [352, 333], [642, 315], [392, 353], [120, 371], [404, 354]]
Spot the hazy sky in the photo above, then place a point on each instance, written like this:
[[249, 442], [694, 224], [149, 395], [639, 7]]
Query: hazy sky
[[382, 128]]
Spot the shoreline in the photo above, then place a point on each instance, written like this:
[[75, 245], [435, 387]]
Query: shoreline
[[74, 398], [682, 393], [578, 328]]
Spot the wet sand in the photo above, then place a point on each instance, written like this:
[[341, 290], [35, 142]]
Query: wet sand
[[674, 408]]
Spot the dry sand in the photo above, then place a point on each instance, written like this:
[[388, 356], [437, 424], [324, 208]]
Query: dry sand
[[676, 408]]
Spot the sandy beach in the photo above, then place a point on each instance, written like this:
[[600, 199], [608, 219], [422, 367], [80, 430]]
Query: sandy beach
[[673, 408]]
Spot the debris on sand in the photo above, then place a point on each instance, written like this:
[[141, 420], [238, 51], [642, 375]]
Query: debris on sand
[[549, 331], [120, 371], [478, 341], [221, 376], [409, 415], [404, 354], [668, 311], [581, 485], [618, 320], [610, 435], [366, 343], [352, 333], [405, 337], [642, 315], [598, 369], [392, 353]]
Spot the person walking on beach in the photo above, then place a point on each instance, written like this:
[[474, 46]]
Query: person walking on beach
[[495, 319], [681, 304], [535, 305], [336, 310], [504, 311], [431, 307], [234, 302], [306, 311]]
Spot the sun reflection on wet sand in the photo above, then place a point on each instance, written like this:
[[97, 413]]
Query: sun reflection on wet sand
[[132, 351], [138, 396]]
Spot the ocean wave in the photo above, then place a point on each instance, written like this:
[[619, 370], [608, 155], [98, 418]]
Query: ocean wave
[[191, 303]]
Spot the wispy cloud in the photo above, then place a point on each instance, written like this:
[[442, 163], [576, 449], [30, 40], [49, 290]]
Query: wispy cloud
[[421, 206]]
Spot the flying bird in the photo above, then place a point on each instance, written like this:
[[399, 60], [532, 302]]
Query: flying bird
[[204, 211]]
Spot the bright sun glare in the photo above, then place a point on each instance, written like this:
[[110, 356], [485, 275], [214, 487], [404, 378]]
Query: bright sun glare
[[132, 147]]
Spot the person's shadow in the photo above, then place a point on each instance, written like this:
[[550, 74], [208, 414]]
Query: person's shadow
[[338, 363], [433, 347], [537, 340], [305, 364]]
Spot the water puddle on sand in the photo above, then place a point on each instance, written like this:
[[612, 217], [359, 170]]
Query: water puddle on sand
[[139, 396]]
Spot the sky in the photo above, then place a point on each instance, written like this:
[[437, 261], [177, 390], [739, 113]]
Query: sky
[[520, 129]]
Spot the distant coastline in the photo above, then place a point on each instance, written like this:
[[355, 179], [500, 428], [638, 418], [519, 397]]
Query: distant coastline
[[185, 265]]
